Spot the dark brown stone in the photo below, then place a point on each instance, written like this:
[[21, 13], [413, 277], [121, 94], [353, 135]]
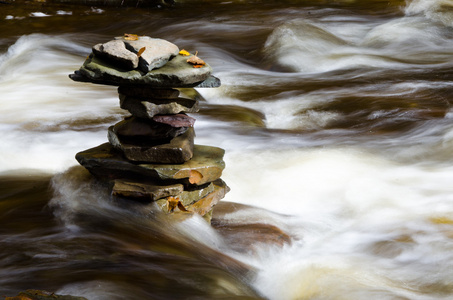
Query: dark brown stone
[[178, 120], [146, 132], [177, 150]]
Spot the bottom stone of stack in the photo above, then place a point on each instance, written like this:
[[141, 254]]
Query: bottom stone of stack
[[173, 199], [200, 206]]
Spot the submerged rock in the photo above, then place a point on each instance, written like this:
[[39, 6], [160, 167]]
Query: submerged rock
[[42, 295], [246, 227]]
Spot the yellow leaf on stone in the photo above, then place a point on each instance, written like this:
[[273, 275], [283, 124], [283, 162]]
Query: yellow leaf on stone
[[130, 37], [184, 52]]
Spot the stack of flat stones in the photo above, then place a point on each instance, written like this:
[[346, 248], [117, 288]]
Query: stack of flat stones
[[150, 156]]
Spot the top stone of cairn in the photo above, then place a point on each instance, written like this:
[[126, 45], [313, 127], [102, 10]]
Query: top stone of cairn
[[140, 52], [142, 60]]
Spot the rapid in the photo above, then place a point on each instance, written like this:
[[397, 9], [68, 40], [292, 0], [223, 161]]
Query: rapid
[[337, 124]]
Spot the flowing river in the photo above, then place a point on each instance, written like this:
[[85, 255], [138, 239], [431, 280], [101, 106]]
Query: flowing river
[[337, 123]]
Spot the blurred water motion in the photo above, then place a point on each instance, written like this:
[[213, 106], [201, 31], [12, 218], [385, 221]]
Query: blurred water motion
[[337, 124]]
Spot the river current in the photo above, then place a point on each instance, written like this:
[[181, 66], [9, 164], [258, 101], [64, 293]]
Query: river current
[[337, 124]]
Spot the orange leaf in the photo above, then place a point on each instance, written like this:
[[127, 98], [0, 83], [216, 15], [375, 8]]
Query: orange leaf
[[181, 206], [173, 202], [195, 177], [195, 60], [140, 52]]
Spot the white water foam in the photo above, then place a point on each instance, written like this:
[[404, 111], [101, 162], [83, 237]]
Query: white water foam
[[363, 224], [436, 10], [308, 47], [41, 107]]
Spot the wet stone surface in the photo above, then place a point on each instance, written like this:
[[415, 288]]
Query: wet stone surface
[[151, 156], [178, 150], [105, 162]]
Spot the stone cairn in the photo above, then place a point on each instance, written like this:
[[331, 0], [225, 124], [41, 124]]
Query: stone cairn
[[151, 156]]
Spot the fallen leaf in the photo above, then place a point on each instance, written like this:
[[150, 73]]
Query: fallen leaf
[[173, 202], [130, 37], [181, 206], [184, 52], [195, 177], [140, 52], [196, 61]]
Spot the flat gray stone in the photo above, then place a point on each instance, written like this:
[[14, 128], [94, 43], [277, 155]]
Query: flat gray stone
[[175, 73], [210, 82], [144, 191], [144, 108], [106, 163], [116, 53], [144, 91], [156, 52]]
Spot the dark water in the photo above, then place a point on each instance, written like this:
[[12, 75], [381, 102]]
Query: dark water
[[337, 124]]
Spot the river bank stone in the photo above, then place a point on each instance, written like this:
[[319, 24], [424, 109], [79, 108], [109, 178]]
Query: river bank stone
[[107, 163], [175, 73], [145, 108], [177, 150]]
